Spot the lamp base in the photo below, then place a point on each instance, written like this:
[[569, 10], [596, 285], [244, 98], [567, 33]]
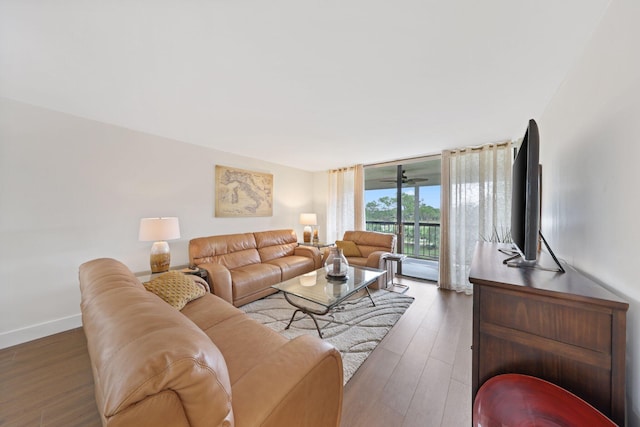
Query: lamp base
[[307, 234], [160, 257]]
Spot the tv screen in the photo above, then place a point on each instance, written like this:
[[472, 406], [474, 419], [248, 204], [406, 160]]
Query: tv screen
[[525, 202]]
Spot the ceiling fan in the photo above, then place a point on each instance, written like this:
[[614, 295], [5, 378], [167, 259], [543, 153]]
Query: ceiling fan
[[406, 180]]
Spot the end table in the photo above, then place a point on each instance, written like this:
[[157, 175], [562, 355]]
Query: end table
[[318, 245], [197, 271], [395, 287]]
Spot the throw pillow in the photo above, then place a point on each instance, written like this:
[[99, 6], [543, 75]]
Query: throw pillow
[[349, 248], [175, 288]]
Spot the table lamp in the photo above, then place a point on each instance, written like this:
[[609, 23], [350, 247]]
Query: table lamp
[[308, 219], [158, 230]]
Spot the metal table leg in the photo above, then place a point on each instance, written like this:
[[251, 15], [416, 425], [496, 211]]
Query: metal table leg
[[312, 313], [308, 312], [395, 287]]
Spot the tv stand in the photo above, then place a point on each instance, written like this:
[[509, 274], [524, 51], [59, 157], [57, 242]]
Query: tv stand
[[517, 261], [563, 328]]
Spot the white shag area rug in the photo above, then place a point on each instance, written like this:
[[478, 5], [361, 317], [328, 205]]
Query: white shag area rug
[[355, 327]]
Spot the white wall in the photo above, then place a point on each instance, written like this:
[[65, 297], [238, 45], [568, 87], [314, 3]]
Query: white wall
[[591, 161], [73, 189]]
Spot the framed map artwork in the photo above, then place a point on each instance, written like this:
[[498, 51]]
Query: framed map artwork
[[242, 193]]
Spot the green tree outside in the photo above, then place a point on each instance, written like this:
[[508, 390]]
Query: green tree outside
[[384, 210]]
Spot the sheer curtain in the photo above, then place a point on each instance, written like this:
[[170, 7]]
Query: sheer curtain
[[475, 205], [345, 207]]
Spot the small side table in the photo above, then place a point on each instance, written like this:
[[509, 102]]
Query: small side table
[[395, 287], [147, 276], [318, 245]]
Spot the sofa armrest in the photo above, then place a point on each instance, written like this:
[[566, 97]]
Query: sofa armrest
[[310, 252], [300, 384], [376, 259], [219, 278]]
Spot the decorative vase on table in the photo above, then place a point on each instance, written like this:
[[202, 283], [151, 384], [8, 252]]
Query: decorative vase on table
[[336, 266]]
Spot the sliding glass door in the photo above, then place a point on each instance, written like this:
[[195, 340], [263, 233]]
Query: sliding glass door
[[404, 198]]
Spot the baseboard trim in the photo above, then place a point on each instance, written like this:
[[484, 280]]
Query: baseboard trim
[[40, 330]]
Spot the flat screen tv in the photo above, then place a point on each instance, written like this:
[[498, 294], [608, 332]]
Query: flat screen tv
[[525, 203], [525, 196]]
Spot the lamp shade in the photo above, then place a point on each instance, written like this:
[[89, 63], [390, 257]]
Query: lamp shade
[[156, 229], [308, 219]]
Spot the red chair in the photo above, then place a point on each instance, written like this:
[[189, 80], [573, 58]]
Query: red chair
[[516, 400]]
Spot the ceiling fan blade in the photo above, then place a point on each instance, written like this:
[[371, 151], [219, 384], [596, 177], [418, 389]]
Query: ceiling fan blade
[[414, 181], [405, 179]]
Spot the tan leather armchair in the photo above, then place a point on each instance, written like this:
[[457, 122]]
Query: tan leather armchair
[[372, 247]]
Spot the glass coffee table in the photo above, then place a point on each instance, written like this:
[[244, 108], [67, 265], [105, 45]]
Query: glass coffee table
[[316, 295]]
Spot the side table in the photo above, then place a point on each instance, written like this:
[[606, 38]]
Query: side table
[[197, 271], [318, 245], [391, 258]]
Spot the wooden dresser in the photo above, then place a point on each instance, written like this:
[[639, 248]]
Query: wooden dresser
[[564, 328]]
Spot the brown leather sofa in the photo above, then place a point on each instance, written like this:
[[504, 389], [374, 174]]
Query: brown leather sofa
[[372, 247], [206, 365], [242, 267]]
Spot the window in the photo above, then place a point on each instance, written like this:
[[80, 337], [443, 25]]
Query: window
[[416, 219]]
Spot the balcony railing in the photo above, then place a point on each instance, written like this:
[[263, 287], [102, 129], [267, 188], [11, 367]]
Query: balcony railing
[[426, 246]]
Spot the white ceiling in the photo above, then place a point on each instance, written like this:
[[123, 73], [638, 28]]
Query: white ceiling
[[309, 84]]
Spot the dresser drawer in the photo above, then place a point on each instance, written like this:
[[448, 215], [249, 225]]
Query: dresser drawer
[[583, 325]]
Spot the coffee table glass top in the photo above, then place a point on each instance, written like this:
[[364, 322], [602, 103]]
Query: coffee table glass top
[[317, 288]]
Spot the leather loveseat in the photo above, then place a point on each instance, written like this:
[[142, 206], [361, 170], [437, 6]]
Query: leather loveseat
[[208, 364], [242, 267], [368, 249]]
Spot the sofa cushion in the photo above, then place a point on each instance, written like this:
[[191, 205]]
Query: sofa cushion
[[175, 288], [230, 250], [275, 244], [210, 310], [253, 278], [348, 247], [278, 251], [238, 259], [371, 241], [359, 261], [292, 266], [274, 237], [371, 238], [244, 343]]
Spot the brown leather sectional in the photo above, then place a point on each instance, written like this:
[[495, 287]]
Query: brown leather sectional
[[207, 365], [242, 267]]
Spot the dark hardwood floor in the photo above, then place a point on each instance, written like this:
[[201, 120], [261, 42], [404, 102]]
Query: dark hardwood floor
[[48, 382], [419, 375]]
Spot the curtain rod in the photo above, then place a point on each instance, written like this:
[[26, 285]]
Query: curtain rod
[[403, 161], [342, 169], [427, 157], [481, 147]]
